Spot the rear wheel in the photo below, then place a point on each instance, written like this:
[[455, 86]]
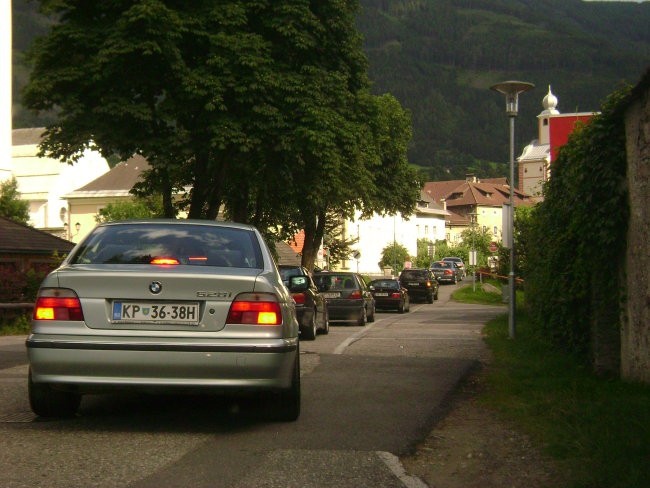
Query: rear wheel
[[308, 333], [46, 401], [362, 318], [402, 307], [326, 323], [371, 315], [430, 298]]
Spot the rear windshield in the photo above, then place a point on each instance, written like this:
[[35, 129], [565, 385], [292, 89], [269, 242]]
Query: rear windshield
[[441, 265], [194, 245], [332, 281], [390, 284], [414, 275]]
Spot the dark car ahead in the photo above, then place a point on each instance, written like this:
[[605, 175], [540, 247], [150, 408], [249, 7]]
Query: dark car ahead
[[348, 297], [420, 283], [390, 294], [459, 264], [311, 309], [446, 272], [164, 306]]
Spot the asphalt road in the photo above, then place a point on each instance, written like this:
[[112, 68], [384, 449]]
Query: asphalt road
[[370, 394]]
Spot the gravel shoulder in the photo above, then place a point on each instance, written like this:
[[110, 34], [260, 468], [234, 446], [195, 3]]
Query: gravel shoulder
[[471, 447]]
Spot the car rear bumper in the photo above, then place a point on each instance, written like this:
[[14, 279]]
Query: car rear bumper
[[125, 364], [345, 311], [387, 302]]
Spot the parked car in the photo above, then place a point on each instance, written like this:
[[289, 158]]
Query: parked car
[[390, 294], [165, 305], [459, 263], [311, 309], [420, 283], [446, 272], [348, 297]]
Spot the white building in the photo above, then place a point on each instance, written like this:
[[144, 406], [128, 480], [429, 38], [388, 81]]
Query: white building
[[43, 182], [5, 91], [378, 232], [554, 129]]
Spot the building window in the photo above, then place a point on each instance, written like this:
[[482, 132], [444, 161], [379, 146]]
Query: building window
[[426, 230], [495, 230]]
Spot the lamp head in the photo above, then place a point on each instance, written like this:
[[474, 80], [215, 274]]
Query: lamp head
[[512, 89]]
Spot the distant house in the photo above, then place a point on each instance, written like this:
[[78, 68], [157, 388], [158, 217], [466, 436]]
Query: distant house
[[22, 247], [474, 202], [554, 129], [427, 221], [43, 181], [114, 186]]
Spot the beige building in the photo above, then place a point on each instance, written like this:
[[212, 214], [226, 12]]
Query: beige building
[[43, 182], [114, 186], [474, 202]]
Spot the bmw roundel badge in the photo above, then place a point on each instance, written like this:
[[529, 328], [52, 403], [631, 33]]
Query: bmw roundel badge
[[155, 287]]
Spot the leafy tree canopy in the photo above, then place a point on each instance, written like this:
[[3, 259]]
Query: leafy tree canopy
[[262, 107], [11, 206]]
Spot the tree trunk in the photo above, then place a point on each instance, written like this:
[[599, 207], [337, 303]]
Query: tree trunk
[[314, 227]]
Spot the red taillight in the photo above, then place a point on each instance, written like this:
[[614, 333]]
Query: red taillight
[[448, 272], [165, 261], [355, 295], [299, 298], [256, 309], [395, 295], [58, 304], [428, 284]]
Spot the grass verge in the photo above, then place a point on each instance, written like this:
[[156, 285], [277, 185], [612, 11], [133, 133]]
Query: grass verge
[[597, 428]]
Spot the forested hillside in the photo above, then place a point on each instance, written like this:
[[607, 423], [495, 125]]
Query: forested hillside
[[439, 58]]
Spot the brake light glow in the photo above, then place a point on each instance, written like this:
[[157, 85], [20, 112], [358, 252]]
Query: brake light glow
[[57, 304], [255, 309], [164, 261], [299, 298], [428, 284], [395, 295], [355, 295]]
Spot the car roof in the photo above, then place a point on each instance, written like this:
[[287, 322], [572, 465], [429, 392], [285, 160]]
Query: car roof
[[181, 222]]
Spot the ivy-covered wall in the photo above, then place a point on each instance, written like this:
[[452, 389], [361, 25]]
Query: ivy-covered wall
[[635, 338], [575, 281]]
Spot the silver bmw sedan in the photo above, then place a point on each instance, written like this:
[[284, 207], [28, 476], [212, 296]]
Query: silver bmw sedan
[[164, 306]]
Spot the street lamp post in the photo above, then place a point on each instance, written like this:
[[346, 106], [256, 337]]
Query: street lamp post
[[511, 90]]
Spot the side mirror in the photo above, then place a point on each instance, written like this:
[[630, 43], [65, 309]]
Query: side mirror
[[298, 283], [371, 288]]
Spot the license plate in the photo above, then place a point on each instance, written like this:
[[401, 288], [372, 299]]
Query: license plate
[[158, 313], [381, 294], [331, 295]]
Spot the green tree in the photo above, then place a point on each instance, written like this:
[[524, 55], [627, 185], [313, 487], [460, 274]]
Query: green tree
[[262, 107], [425, 253], [394, 255], [11, 206], [138, 208]]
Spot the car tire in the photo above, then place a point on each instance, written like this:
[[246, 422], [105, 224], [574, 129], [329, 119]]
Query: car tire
[[287, 405], [435, 296], [326, 324], [46, 401], [430, 298], [308, 333], [362, 318], [455, 279], [401, 308], [371, 316]]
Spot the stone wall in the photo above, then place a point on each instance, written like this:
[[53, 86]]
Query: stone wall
[[635, 333]]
